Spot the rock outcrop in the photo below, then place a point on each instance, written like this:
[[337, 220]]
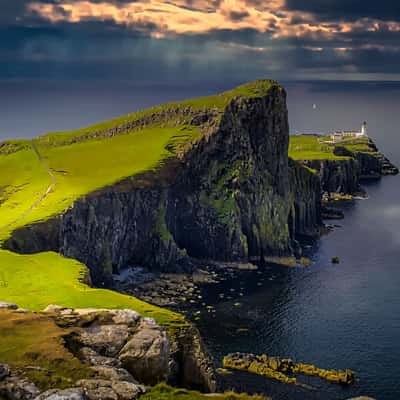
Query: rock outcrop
[[123, 352], [231, 196]]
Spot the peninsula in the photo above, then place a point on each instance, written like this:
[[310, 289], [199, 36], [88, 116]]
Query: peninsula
[[208, 178]]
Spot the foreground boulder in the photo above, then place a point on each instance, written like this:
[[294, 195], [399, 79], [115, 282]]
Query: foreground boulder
[[107, 340], [146, 354]]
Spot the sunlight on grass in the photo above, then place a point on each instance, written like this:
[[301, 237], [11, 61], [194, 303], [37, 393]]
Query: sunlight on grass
[[310, 147], [35, 281]]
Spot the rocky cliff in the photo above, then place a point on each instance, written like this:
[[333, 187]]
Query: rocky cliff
[[305, 216], [358, 164], [231, 196], [337, 176]]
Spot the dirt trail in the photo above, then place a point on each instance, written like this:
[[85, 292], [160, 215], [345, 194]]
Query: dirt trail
[[43, 195]]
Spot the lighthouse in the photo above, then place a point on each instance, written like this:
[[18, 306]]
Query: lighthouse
[[364, 129]]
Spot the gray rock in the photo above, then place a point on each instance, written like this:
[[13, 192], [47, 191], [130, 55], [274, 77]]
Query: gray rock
[[95, 316], [91, 384], [127, 317], [15, 388], [113, 374], [89, 356], [7, 306], [4, 371], [67, 394], [101, 393], [102, 389], [127, 390], [107, 340], [146, 355], [116, 317]]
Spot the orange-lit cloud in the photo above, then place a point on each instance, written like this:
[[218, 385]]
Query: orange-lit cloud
[[162, 18]]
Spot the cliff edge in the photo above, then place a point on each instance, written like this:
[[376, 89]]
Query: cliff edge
[[228, 194]]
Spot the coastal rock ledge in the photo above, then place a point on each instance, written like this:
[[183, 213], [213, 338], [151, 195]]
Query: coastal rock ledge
[[122, 351]]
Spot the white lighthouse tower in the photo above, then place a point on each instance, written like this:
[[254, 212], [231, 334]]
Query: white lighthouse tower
[[364, 129]]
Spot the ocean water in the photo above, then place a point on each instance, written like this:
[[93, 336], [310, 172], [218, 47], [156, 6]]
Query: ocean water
[[334, 316]]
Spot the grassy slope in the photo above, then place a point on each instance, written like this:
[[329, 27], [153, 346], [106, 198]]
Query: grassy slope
[[34, 281], [164, 392], [37, 341], [307, 147]]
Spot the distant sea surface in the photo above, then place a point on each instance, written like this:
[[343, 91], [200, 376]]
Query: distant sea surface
[[334, 316]]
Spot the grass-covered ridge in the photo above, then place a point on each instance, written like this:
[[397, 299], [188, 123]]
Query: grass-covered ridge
[[176, 112], [42, 178]]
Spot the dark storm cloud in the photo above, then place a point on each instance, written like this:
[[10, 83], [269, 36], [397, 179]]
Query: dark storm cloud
[[198, 39], [348, 9]]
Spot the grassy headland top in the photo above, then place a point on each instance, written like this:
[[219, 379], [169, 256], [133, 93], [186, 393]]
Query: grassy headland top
[[320, 147], [43, 177]]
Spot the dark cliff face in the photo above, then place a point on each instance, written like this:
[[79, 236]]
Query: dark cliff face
[[345, 175], [305, 218], [231, 197], [230, 201], [337, 176]]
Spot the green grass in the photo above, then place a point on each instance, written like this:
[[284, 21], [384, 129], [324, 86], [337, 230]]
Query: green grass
[[42, 178], [216, 102], [360, 145], [307, 147], [35, 281], [165, 392], [22, 182]]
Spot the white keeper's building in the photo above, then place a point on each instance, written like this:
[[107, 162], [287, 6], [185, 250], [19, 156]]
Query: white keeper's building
[[338, 136]]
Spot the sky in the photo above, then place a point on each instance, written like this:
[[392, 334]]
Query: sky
[[198, 40]]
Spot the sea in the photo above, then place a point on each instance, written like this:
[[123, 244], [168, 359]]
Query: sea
[[338, 316]]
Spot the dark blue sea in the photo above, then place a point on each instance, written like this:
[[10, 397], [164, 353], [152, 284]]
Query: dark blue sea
[[335, 316]]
